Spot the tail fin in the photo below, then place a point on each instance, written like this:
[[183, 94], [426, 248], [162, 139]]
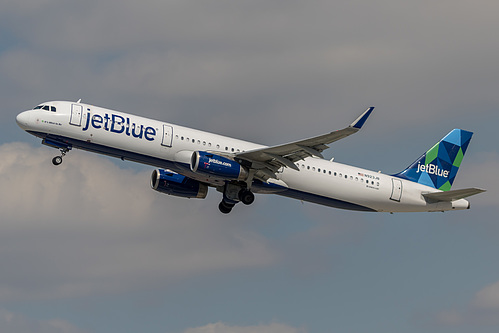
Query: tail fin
[[438, 166]]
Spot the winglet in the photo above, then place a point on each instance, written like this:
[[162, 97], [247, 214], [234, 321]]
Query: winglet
[[359, 122]]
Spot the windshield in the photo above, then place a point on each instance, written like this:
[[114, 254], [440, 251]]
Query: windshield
[[45, 107]]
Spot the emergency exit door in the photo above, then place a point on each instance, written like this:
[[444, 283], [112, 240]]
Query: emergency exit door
[[167, 136]]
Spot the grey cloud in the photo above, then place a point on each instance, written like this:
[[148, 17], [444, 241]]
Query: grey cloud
[[237, 66], [482, 310], [15, 323], [224, 328], [88, 226]]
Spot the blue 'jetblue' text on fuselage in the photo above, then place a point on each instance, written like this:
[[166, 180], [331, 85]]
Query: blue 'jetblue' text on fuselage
[[118, 124]]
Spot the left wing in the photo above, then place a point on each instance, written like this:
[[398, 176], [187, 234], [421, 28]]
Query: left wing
[[266, 161]]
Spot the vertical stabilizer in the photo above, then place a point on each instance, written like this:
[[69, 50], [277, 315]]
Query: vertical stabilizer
[[439, 165]]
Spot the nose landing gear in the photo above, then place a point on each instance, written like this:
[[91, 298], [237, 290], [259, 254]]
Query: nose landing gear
[[58, 159]]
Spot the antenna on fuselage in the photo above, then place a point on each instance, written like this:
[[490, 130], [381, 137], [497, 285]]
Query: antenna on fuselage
[[78, 101]]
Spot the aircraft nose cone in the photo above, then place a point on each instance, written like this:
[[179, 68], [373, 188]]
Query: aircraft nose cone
[[22, 119]]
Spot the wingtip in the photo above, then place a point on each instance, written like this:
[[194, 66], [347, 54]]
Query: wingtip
[[359, 122]]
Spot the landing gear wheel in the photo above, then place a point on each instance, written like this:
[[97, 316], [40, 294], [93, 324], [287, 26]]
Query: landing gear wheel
[[225, 208], [247, 197], [57, 160]]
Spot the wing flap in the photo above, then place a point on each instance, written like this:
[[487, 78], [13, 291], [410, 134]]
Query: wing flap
[[453, 194]]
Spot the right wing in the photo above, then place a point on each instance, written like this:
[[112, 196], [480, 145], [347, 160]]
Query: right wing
[[266, 161]]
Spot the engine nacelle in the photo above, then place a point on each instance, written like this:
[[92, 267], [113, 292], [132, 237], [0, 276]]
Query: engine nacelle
[[172, 183], [217, 166]]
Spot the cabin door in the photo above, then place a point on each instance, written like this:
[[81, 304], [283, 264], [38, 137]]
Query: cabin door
[[396, 189], [76, 113]]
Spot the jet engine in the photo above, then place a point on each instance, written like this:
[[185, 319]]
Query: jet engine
[[172, 183], [218, 166]]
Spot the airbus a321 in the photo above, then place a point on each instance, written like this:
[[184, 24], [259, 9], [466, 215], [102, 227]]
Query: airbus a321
[[190, 161]]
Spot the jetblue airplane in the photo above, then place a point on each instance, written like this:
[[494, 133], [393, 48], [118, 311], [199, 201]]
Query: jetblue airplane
[[190, 161]]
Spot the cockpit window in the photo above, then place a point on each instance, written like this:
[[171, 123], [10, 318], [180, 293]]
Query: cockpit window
[[45, 107]]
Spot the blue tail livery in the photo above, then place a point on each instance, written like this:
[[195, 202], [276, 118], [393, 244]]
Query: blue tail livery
[[438, 167]]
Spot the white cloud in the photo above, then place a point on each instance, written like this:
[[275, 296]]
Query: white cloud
[[88, 226], [224, 328]]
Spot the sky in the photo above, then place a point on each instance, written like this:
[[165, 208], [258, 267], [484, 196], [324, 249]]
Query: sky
[[88, 247]]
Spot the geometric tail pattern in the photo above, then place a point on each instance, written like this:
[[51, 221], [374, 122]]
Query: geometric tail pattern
[[439, 165]]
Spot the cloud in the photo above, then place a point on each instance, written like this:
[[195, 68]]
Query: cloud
[[478, 172], [236, 65], [89, 227], [16, 323], [482, 310], [224, 328], [488, 297]]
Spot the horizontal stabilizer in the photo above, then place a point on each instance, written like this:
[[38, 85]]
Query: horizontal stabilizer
[[453, 195]]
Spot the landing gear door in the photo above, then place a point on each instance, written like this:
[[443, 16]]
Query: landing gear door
[[167, 136], [396, 189], [76, 113]]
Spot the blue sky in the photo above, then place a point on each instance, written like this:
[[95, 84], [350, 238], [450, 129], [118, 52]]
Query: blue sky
[[89, 247]]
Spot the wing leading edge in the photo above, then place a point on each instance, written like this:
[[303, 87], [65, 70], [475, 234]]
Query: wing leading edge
[[266, 161]]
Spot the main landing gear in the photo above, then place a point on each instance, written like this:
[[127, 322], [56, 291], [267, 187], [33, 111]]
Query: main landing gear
[[232, 194], [58, 159]]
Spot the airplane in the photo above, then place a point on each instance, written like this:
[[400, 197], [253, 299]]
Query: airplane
[[190, 161]]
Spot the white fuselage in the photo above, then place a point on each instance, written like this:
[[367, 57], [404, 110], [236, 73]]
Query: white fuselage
[[170, 146]]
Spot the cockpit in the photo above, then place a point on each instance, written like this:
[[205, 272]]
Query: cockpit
[[45, 107]]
